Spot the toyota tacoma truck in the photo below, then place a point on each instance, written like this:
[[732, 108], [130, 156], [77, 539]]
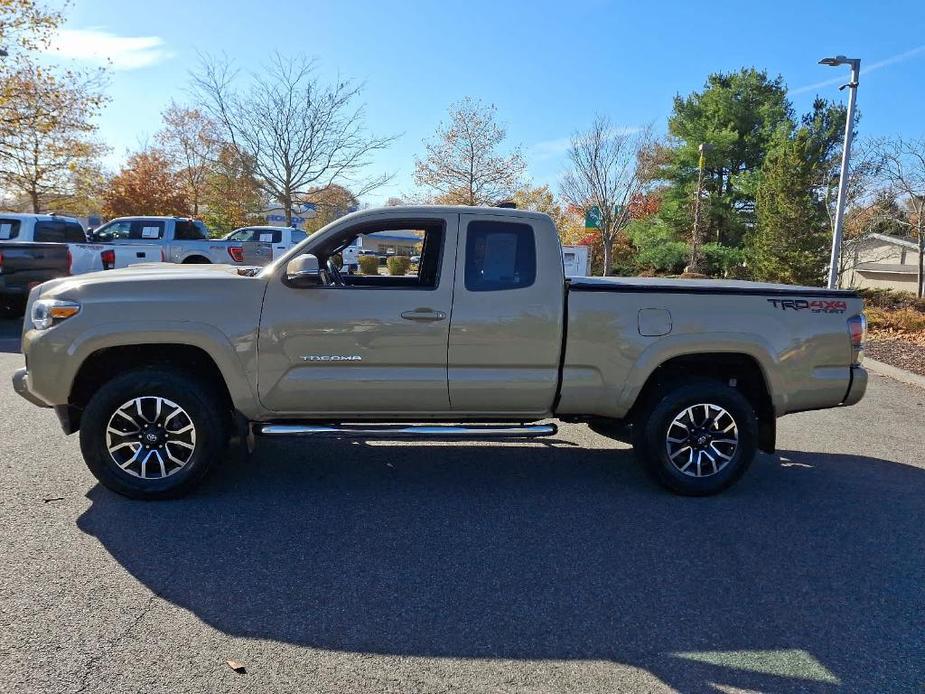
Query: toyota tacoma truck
[[160, 367]]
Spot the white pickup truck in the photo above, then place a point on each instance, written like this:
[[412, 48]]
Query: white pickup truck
[[83, 255], [264, 244], [180, 239]]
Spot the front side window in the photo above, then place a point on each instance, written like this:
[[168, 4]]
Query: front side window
[[394, 255], [119, 229], [240, 235], [499, 256]]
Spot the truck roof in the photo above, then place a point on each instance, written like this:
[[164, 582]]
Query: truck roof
[[43, 216], [400, 210]]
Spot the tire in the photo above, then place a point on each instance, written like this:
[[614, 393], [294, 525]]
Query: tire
[[681, 413], [170, 459], [196, 260]]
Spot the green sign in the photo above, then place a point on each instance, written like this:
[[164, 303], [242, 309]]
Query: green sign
[[593, 218]]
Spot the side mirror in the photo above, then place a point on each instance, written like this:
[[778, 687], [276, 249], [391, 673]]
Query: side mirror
[[302, 271]]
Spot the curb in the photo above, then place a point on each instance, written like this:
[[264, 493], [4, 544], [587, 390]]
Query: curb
[[878, 367]]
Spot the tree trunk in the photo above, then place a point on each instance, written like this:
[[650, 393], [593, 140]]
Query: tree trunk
[[36, 203], [608, 253], [921, 282], [287, 208]]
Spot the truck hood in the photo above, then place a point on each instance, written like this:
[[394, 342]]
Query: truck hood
[[150, 272], [161, 291]]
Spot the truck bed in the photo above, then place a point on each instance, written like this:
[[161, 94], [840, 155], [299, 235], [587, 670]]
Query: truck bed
[[696, 286], [619, 329]]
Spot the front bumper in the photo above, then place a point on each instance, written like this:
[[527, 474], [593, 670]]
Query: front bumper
[[22, 387], [857, 386]]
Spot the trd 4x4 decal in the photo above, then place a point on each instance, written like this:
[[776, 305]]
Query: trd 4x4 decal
[[815, 306]]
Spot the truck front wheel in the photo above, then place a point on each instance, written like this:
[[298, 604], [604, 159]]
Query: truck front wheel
[[152, 433], [699, 438]]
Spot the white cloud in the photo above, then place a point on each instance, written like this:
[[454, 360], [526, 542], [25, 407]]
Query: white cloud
[[101, 47], [865, 70]]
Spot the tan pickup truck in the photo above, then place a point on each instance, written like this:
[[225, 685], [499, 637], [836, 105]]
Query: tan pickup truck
[[160, 366]]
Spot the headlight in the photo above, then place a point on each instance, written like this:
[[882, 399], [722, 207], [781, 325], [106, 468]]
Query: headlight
[[45, 312]]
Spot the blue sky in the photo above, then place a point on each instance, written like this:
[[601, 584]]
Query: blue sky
[[547, 66]]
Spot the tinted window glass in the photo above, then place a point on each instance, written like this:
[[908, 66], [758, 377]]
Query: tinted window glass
[[49, 232], [146, 229], [9, 229], [185, 230], [499, 255], [298, 236], [74, 233]]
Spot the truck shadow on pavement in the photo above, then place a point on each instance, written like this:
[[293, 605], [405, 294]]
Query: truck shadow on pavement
[[808, 575]]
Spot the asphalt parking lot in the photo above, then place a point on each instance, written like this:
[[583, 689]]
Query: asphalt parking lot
[[530, 567]]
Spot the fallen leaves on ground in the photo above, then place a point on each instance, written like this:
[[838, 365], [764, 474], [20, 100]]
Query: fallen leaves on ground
[[902, 350]]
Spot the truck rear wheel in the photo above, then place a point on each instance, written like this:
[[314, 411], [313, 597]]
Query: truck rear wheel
[[698, 439], [152, 433]]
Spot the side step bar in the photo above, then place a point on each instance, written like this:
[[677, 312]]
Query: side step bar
[[413, 431]]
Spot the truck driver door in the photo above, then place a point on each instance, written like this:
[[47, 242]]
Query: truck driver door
[[373, 346]]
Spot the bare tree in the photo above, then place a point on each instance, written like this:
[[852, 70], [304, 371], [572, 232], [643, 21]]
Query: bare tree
[[47, 131], [605, 176], [463, 161], [191, 141], [901, 165], [292, 132]]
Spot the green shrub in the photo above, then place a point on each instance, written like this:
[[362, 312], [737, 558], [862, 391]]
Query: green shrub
[[369, 264], [891, 300], [723, 261], [657, 247], [398, 264]]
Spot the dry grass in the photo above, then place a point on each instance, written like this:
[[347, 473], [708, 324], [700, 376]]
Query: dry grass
[[901, 321]]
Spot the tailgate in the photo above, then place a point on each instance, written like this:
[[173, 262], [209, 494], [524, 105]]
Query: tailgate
[[136, 253], [27, 264]]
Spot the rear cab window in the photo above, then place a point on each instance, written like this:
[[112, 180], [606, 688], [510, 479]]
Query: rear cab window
[[59, 231], [186, 230], [499, 256], [9, 229]]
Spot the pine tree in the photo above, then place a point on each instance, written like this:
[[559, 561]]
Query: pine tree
[[790, 241]]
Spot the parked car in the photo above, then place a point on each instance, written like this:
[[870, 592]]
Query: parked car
[[39, 247], [25, 265], [264, 244], [487, 340], [86, 256], [180, 239]]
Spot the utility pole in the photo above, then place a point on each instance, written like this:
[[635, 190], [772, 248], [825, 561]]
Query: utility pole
[[855, 64], [694, 265]]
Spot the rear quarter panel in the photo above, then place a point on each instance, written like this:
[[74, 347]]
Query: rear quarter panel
[[803, 354]]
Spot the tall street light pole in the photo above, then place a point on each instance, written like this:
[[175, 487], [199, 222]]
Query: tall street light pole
[[855, 64]]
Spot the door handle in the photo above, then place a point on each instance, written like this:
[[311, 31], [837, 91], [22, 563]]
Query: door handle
[[423, 315]]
